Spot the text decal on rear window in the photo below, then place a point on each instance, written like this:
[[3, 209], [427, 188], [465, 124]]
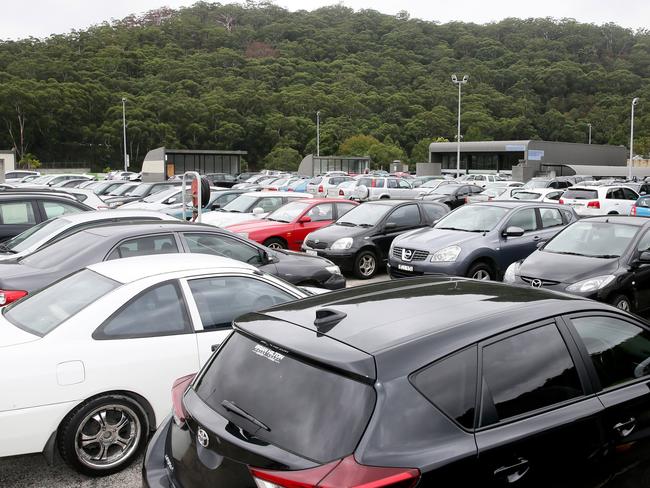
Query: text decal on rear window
[[267, 353]]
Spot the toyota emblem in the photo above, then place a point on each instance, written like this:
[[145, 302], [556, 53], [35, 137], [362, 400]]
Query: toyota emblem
[[536, 283], [407, 254], [202, 437]]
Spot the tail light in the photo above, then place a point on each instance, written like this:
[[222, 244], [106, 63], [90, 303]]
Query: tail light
[[178, 389], [289, 189], [320, 189], [8, 296], [346, 473], [466, 199], [341, 194], [633, 210], [561, 202], [594, 204]]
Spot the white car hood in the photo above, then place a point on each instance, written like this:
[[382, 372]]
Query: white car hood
[[224, 219], [10, 335], [145, 206]]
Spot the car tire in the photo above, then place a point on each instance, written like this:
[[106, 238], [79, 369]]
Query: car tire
[[384, 197], [115, 427], [276, 243], [365, 265], [622, 303], [612, 213], [481, 271]]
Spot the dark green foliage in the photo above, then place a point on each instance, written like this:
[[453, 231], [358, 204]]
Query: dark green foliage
[[251, 77]]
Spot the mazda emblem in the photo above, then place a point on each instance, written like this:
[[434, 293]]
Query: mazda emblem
[[536, 283], [407, 254], [202, 437]]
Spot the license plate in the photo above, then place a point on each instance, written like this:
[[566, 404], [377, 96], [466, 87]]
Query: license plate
[[404, 267], [311, 252], [576, 204]]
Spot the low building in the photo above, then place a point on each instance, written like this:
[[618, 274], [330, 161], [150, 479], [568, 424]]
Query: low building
[[317, 165], [162, 163], [7, 160]]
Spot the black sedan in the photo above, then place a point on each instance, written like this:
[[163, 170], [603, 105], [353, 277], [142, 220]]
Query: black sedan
[[605, 258], [103, 243], [453, 195], [424, 382], [360, 240]]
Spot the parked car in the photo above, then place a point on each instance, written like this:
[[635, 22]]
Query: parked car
[[16, 175], [550, 195], [21, 210], [298, 185], [359, 241], [87, 197], [102, 188], [162, 199], [558, 183], [120, 240], [124, 175], [481, 180], [489, 194], [241, 177], [431, 185], [343, 190], [286, 227], [600, 200], [139, 192], [75, 183], [479, 241], [604, 258], [219, 197], [278, 184], [250, 206], [123, 189], [491, 384], [56, 228], [49, 180], [320, 185], [222, 180], [641, 187], [421, 180], [371, 188], [453, 195], [641, 207]]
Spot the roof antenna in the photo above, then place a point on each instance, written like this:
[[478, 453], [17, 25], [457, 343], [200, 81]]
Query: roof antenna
[[327, 318]]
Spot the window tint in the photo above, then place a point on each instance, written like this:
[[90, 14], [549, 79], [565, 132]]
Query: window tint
[[406, 216], [222, 245], [551, 217], [554, 195], [434, 212], [220, 300], [619, 350], [392, 183], [158, 311], [17, 213], [144, 246], [524, 219], [529, 371], [450, 384], [403, 184], [644, 243], [54, 209], [321, 212], [343, 208], [629, 194], [616, 194]]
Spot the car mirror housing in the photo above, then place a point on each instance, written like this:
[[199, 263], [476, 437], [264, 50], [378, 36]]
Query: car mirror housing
[[304, 219], [644, 257], [390, 226], [541, 244], [513, 231], [215, 206], [258, 211]]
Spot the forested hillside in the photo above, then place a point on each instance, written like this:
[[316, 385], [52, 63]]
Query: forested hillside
[[252, 78]]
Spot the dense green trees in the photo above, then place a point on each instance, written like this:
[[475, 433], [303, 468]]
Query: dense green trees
[[251, 77]]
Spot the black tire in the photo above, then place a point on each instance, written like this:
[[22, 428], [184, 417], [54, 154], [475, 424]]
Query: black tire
[[276, 243], [623, 303], [205, 191], [365, 265], [612, 213], [384, 197], [481, 271], [99, 419]]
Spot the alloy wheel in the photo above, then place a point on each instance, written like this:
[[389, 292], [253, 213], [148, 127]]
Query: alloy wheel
[[367, 265], [275, 245], [482, 275], [623, 304]]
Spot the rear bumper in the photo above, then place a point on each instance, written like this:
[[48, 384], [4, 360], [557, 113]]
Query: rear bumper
[[154, 468]]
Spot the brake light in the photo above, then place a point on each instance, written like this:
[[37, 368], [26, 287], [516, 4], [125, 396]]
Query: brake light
[[178, 389], [8, 296], [594, 204], [346, 473], [341, 194], [633, 210], [561, 202]]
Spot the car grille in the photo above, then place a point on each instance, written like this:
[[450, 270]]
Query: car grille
[[417, 255], [527, 279], [316, 245]]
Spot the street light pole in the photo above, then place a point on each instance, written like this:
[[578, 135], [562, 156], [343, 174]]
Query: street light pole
[[318, 133], [635, 101], [126, 157], [589, 133], [460, 83]]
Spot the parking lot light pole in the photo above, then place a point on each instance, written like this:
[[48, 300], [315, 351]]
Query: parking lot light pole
[[635, 101], [126, 158], [589, 133], [318, 133], [460, 83]]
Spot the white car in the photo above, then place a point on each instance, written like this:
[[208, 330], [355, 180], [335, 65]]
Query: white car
[[548, 195], [431, 186], [482, 180], [89, 362], [342, 190], [588, 201], [16, 175], [50, 230], [88, 197], [249, 206], [320, 185], [46, 181]]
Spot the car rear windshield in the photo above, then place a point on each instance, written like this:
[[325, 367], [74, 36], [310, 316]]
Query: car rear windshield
[[526, 195], [537, 184], [579, 194], [473, 218], [593, 239], [312, 412], [44, 311]]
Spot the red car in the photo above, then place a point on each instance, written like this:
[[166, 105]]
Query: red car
[[287, 227]]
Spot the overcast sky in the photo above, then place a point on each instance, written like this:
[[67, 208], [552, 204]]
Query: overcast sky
[[40, 18]]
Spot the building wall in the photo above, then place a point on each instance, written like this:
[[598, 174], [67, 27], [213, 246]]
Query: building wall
[[314, 165], [8, 159], [160, 163], [571, 153]]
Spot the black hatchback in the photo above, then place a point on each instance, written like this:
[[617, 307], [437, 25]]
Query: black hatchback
[[427, 382]]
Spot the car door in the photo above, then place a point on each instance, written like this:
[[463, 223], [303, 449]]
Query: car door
[[16, 217], [539, 424], [613, 199], [405, 190], [401, 219], [514, 248], [630, 197], [215, 301], [551, 222], [320, 215], [616, 350], [640, 274]]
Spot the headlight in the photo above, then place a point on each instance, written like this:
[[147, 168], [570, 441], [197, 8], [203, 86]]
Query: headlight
[[335, 270], [343, 243], [592, 284], [511, 273], [243, 234], [446, 255]]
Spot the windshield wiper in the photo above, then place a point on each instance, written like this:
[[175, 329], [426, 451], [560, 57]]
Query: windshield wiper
[[366, 225], [231, 407], [603, 256], [451, 228], [347, 224], [567, 253], [4, 248]]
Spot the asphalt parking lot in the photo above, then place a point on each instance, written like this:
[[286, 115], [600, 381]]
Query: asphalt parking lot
[[33, 472]]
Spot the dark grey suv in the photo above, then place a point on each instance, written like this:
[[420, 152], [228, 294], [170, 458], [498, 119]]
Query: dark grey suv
[[479, 241]]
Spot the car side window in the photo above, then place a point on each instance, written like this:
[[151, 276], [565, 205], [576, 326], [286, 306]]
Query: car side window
[[619, 350], [320, 212], [525, 372], [629, 194], [644, 243], [525, 219], [433, 211], [405, 216], [615, 194], [55, 209], [17, 213], [462, 191], [450, 384], [391, 183], [144, 246], [551, 217], [343, 208], [403, 184], [225, 199], [222, 299], [222, 245], [378, 183], [555, 195], [568, 216], [159, 311]]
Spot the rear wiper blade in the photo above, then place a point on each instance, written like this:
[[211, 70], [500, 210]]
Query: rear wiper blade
[[231, 407]]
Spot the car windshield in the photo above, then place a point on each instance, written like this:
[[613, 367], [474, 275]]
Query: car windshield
[[493, 192], [163, 195], [593, 239], [526, 195], [242, 203], [140, 190], [431, 184], [347, 184], [34, 234], [41, 180], [445, 189], [281, 182], [289, 212], [532, 184], [643, 202], [121, 190], [472, 218], [44, 311], [366, 215]]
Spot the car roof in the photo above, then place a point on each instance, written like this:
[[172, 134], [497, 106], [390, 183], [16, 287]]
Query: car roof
[[518, 203], [136, 268], [618, 219], [121, 229], [276, 194], [92, 215]]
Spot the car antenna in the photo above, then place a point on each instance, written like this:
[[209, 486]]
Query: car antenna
[[327, 318]]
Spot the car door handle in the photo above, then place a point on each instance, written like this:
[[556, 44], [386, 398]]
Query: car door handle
[[625, 428], [513, 473]]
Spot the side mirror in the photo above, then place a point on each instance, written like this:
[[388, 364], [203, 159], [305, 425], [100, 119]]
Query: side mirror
[[513, 232], [644, 257], [540, 244], [304, 219], [215, 206], [258, 211], [388, 226], [171, 200]]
